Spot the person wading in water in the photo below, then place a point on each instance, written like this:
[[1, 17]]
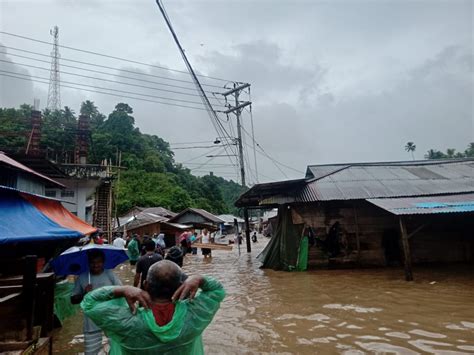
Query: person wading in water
[[95, 278]]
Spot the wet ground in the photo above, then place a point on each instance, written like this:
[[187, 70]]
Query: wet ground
[[327, 311]]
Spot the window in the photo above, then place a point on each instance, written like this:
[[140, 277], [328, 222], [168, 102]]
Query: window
[[50, 193], [67, 193]]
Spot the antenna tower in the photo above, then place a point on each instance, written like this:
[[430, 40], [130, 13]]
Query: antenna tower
[[54, 95]]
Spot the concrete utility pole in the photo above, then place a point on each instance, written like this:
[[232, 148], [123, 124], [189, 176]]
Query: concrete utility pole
[[237, 110]]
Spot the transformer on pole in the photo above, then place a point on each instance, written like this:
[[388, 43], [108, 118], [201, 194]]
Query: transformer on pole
[[54, 94]]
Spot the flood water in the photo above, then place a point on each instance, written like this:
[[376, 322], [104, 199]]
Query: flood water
[[326, 311]]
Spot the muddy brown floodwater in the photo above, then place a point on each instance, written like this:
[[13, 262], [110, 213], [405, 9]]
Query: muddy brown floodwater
[[326, 311]]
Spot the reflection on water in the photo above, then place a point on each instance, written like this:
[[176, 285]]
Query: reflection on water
[[327, 311]]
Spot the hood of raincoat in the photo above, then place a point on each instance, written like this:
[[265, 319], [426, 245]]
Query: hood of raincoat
[[170, 331]]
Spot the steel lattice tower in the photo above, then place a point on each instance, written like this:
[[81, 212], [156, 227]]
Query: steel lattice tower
[[54, 94]]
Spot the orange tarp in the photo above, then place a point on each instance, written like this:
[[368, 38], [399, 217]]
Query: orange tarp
[[55, 211]]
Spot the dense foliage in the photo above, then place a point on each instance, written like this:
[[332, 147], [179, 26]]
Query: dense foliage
[[451, 153], [151, 178]]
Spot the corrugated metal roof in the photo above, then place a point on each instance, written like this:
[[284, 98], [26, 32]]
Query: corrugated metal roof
[[13, 163], [462, 203], [319, 171], [228, 218], [362, 181], [391, 180], [206, 215]]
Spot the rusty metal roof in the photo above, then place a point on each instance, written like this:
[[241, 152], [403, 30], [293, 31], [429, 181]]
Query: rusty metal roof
[[462, 203], [366, 181]]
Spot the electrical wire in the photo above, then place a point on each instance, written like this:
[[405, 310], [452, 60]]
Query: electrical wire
[[176, 143], [273, 159], [107, 93], [253, 137], [220, 129], [101, 79], [201, 155], [195, 147], [102, 88], [109, 56], [105, 73]]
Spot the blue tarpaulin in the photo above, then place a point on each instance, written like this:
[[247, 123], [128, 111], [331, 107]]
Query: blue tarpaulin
[[21, 222]]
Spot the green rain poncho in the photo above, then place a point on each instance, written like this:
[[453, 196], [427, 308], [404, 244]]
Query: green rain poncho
[[132, 250], [139, 333]]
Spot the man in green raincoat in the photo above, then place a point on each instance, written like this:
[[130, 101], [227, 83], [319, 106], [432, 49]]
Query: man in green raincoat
[[170, 319], [133, 250]]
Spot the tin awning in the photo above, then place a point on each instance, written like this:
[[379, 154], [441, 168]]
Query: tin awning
[[454, 203]]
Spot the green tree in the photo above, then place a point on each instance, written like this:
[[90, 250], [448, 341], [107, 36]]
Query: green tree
[[469, 152], [435, 154], [450, 153], [152, 177]]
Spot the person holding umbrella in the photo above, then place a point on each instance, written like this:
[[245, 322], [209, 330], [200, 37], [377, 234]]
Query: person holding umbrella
[[96, 277]]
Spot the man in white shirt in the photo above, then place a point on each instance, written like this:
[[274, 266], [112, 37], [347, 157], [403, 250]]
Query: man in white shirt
[[119, 242]]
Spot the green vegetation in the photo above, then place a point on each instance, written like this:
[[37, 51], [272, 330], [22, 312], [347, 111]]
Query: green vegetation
[[151, 178], [451, 153]]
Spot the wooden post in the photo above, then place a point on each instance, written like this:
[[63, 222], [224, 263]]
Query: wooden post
[[357, 233], [406, 251], [247, 230], [29, 292]]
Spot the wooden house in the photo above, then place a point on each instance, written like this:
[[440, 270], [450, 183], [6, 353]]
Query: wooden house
[[374, 214]]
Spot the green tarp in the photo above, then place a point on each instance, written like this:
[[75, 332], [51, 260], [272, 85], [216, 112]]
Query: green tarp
[[282, 251]]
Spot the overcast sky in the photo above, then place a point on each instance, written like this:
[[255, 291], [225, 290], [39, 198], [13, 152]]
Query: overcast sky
[[331, 81]]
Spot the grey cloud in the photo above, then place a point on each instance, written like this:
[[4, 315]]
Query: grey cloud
[[14, 91]]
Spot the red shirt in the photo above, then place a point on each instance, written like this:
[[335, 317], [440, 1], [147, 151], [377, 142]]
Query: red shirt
[[163, 313]]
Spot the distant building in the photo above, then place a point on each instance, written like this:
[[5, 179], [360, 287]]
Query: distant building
[[197, 218], [228, 226]]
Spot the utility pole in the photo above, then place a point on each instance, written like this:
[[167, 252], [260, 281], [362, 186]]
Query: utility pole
[[237, 110], [54, 94]]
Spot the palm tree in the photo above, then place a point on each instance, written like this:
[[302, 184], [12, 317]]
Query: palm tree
[[450, 152], [410, 147]]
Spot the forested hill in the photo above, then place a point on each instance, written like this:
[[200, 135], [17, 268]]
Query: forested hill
[[152, 177]]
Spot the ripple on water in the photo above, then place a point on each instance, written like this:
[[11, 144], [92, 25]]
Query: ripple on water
[[427, 334], [385, 348], [315, 317], [466, 347], [432, 347], [467, 324], [351, 307], [399, 335]]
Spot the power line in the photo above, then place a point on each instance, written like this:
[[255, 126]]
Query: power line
[[102, 88], [221, 131], [269, 157], [110, 56], [176, 143], [116, 75], [107, 93], [101, 79], [195, 147], [201, 155]]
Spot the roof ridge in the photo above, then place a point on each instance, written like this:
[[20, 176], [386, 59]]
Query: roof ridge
[[400, 162]]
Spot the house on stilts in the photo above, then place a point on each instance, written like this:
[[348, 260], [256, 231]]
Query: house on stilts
[[372, 214]]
